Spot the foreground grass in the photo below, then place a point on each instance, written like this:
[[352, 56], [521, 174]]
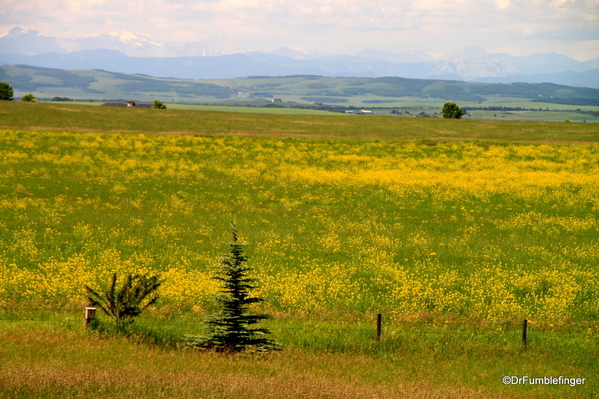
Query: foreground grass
[[57, 359], [45, 116]]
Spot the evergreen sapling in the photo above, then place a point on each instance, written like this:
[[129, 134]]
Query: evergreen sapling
[[229, 330]]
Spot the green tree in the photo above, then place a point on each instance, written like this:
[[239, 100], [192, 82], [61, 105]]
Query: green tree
[[6, 92], [29, 98], [123, 304], [229, 330], [452, 111], [159, 104]]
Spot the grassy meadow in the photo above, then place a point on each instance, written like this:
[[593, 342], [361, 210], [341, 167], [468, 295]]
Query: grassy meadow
[[455, 231], [16, 115]]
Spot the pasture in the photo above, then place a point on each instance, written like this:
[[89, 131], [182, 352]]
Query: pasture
[[455, 231]]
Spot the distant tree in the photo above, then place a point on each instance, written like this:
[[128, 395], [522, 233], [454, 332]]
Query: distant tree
[[29, 98], [273, 105], [229, 330], [123, 304], [452, 111], [6, 92], [159, 104]]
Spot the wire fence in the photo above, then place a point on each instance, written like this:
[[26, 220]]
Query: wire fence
[[377, 330]]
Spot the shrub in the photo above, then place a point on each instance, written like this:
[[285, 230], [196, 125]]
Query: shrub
[[159, 104], [124, 304], [29, 98]]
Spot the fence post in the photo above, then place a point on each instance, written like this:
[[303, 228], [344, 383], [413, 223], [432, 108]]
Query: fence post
[[524, 328], [379, 322], [90, 315]]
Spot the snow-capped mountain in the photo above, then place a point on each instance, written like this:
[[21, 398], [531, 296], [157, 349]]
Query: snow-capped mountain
[[407, 56], [298, 55], [129, 43], [209, 47], [123, 38], [28, 42], [474, 62]]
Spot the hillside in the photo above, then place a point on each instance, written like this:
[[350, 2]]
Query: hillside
[[100, 84]]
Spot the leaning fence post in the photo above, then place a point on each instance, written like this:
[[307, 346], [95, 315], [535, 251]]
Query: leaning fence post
[[90, 315], [524, 328], [379, 320]]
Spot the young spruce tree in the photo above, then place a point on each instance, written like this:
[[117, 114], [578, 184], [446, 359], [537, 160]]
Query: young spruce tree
[[229, 330]]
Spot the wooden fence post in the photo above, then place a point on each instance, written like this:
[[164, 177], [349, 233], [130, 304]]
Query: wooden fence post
[[524, 328], [90, 315], [379, 322]]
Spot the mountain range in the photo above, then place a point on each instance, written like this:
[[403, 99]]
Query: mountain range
[[218, 58]]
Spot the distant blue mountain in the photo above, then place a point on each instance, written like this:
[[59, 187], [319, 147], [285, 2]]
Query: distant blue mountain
[[219, 67], [481, 66], [568, 78], [218, 58]]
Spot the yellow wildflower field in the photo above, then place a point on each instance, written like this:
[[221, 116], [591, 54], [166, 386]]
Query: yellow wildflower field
[[487, 231]]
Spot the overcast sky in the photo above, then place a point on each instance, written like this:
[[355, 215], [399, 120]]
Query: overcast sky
[[439, 27]]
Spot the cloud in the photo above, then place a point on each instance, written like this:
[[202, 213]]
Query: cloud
[[336, 24], [503, 4]]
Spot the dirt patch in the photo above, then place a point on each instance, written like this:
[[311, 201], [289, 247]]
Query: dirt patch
[[311, 123], [242, 119], [68, 109]]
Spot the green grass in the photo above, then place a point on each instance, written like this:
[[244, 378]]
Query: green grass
[[259, 110], [44, 116], [453, 241], [52, 356], [414, 109]]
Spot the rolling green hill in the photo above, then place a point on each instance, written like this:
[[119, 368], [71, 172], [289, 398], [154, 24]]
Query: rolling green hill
[[301, 89]]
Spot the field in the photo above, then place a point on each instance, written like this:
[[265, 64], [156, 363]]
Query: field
[[331, 125], [455, 231], [409, 97]]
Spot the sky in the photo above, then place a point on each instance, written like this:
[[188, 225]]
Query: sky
[[437, 27]]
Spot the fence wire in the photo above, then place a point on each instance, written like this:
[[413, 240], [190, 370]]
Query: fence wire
[[389, 328]]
